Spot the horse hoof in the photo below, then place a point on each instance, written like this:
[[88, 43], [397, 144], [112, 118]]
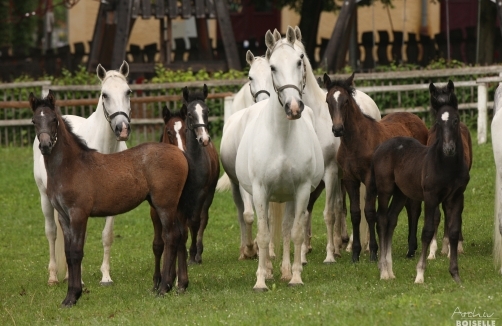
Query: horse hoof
[[304, 263], [52, 283], [109, 283], [67, 303], [260, 290], [410, 254], [294, 284], [338, 255], [373, 258], [355, 259]]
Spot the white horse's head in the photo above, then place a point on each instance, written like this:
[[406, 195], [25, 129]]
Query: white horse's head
[[288, 72], [260, 80], [115, 99]]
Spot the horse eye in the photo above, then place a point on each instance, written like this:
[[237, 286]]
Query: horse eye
[[299, 64], [272, 68], [105, 96], [250, 78], [301, 55]]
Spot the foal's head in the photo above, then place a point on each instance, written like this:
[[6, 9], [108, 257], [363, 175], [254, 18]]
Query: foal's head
[[288, 72], [448, 129], [174, 128], [339, 98], [260, 80], [45, 120], [115, 99], [197, 113], [442, 96]]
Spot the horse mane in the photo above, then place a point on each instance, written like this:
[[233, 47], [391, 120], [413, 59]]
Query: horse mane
[[195, 96], [82, 144], [343, 84], [113, 73]]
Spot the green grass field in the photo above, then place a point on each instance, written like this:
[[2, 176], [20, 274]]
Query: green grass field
[[220, 290]]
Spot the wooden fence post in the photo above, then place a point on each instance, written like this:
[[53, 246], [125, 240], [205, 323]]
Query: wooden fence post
[[229, 100], [482, 112]]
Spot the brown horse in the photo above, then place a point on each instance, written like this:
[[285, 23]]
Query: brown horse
[[188, 130], [440, 96], [436, 174], [360, 135], [82, 182]]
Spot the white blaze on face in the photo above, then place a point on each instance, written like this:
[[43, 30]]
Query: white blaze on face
[[445, 116], [177, 128], [203, 135], [336, 95], [41, 113]]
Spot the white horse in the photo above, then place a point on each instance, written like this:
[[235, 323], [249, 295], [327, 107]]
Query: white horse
[[315, 97], [257, 89], [496, 130], [280, 159], [105, 130]]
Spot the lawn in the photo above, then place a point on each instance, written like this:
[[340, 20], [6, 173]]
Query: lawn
[[220, 290]]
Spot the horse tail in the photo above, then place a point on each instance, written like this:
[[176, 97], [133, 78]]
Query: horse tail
[[497, 237], [59, 248], [363, 226], [223, 183], [276, 212]]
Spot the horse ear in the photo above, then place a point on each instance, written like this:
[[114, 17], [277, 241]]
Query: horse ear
[[319, 82], [204, 91], [327, 81], [51, 97], [101, 72], [33, 101], [298, 33], [450, 86], [166, 114], [350, 80], [183, 112], [269, 39], [268, 54], [290, 35], [277, 35], [185, 95], [249, 57], [432, 89], [124, 68]]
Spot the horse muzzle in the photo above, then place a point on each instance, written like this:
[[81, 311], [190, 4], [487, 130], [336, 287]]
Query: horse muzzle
[[46, 144], [337, 130], [122, 131], [294, 110], [449, 148]]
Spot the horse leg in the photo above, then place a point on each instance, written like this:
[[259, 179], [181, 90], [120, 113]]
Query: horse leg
[[204, 218], [172, 231], [434, 245], [332, 211], [287, 226], [453, 209], [371, 220], [298, 231], [396, 206], [262, 238], [384, 196], [107, 238], [182, 256], [50, 233], [355, 216], [244, 204], [157, 247], [431, 205], [308, 228], [414, 209], [74, 230], [445, 249]]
